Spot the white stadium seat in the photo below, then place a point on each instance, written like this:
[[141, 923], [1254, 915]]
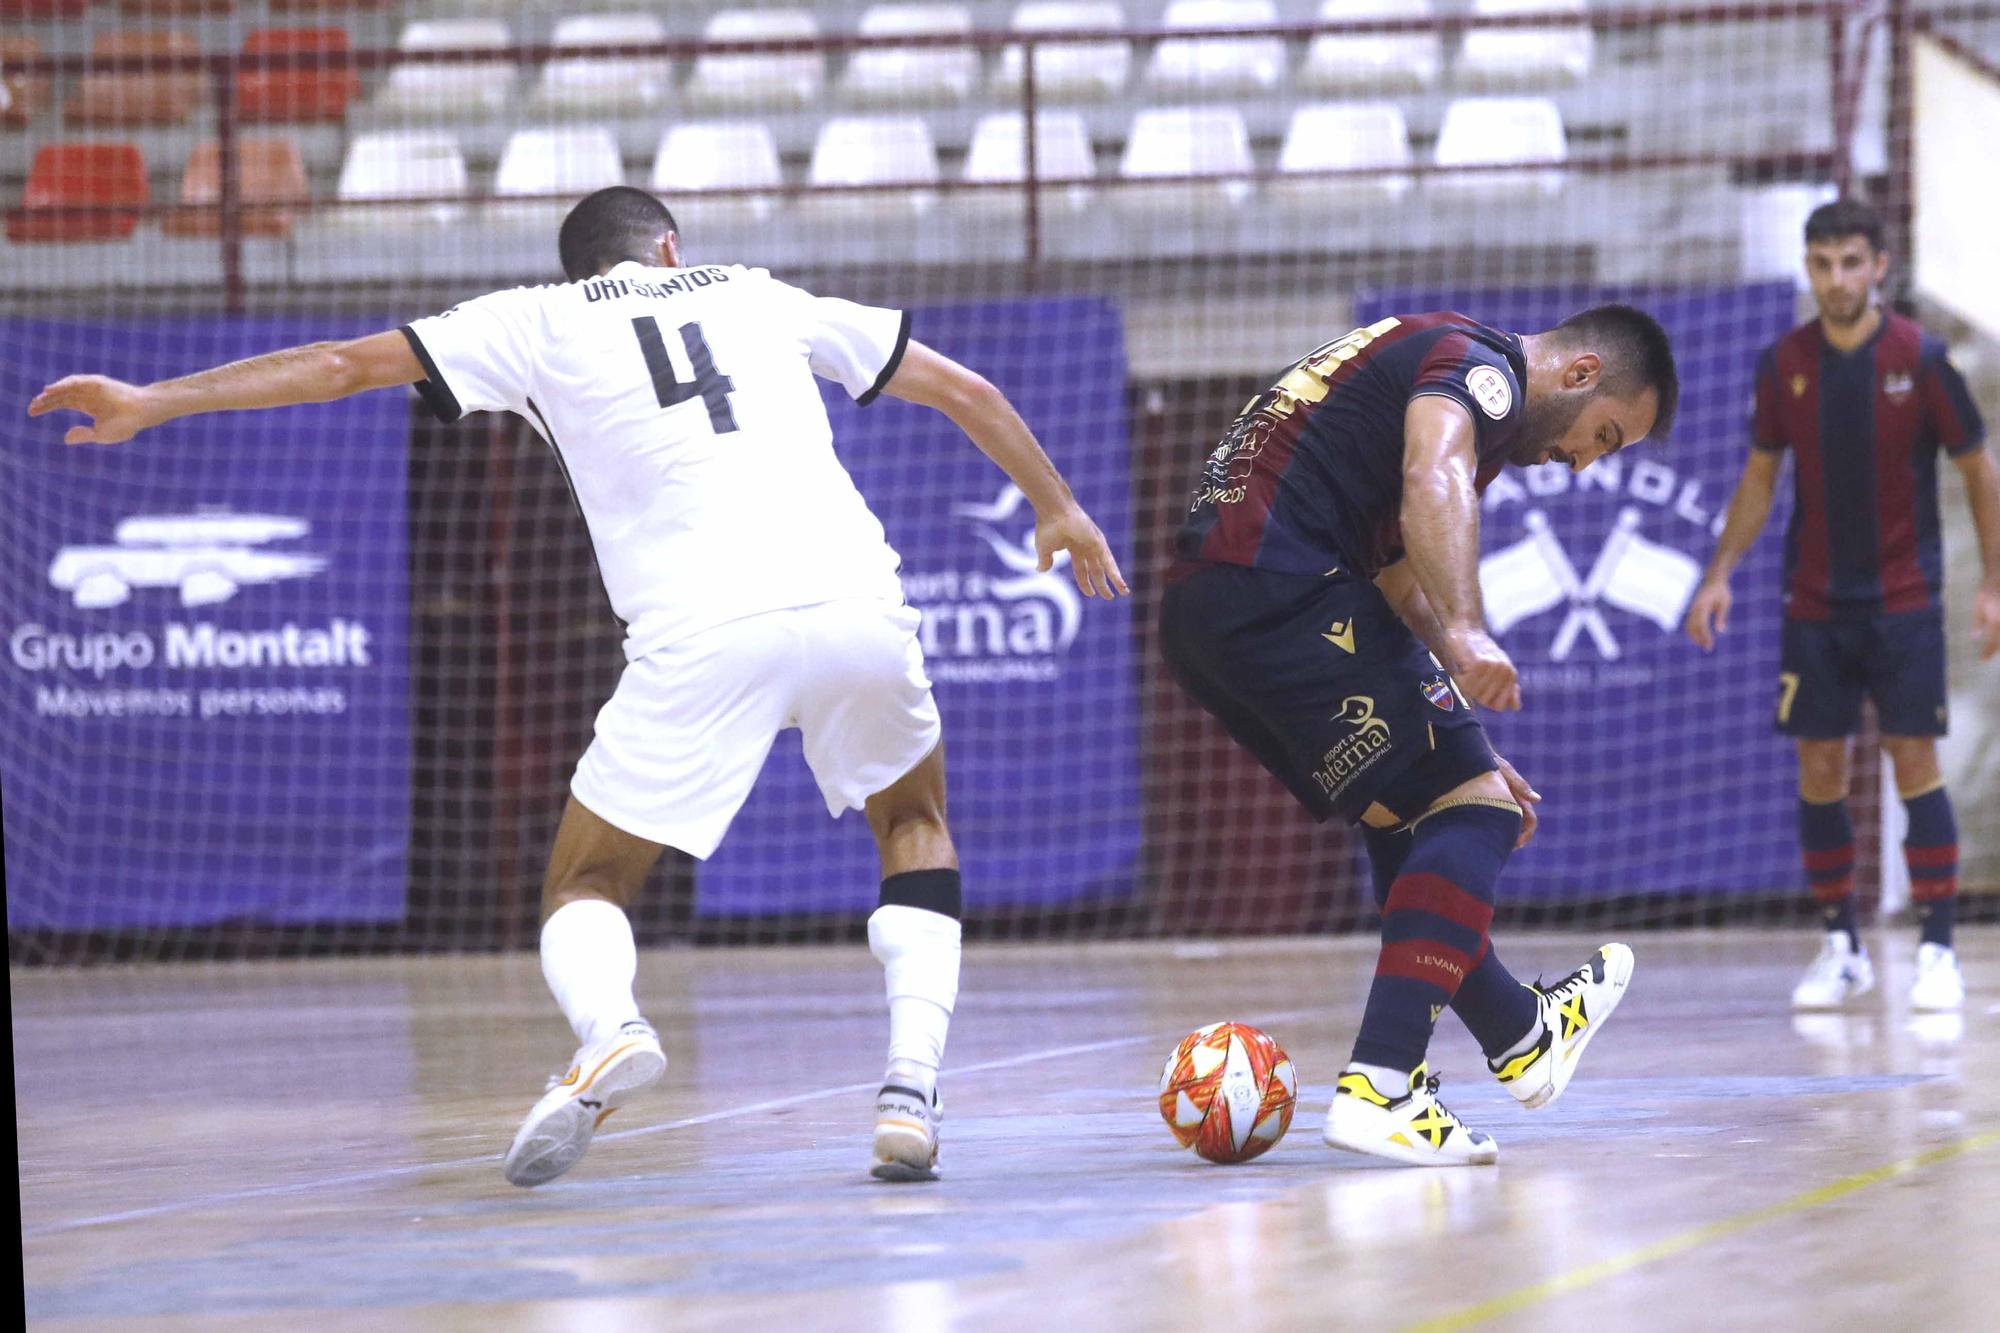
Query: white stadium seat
[[1343, 63], [1217, 66], [1494, 131], [1186, 141], [560, 161], [480, 88], [1067, 71], [695, 157], [1345, 135], [912, 75], [999, 152], [874, 150], [768, 81], [1499, 58], [402, 164], [637, 83]]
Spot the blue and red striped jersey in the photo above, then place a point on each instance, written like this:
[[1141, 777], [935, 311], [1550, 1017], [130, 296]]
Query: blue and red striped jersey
[[1309, 477], [1864, 428]]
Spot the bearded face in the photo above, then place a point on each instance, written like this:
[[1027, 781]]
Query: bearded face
[[1546, 422]]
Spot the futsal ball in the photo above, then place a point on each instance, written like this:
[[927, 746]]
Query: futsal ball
[[1228, 1091]]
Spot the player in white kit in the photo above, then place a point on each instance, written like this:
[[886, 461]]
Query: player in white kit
[[757, 589]]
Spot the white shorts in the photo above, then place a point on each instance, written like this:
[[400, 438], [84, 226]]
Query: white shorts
[[686, 732]]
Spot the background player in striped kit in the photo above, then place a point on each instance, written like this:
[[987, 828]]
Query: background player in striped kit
[[1864, 400], [1336, 523]]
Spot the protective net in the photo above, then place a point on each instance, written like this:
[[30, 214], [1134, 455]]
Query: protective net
[[315, 679]]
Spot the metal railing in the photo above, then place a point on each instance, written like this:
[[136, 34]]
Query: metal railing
[[1847, 68]]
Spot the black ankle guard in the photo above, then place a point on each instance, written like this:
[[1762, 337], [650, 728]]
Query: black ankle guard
[[932, 890]]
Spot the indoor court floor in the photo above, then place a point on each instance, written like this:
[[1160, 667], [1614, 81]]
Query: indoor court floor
[[315, 1145]]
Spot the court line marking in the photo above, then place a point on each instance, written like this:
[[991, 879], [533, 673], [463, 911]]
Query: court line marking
[[638, 1131], [1590, 1274]]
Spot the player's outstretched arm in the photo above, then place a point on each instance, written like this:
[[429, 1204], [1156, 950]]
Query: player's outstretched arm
[[314, 373], [1749, 507], [1441, 534], [1982, 492], [928, 377]]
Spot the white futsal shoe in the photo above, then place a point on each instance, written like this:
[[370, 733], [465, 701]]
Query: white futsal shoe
[[1572, 1012], [1413, 1128], [906, 1134], [1938, 986], [1840, 973], [558, 1131]]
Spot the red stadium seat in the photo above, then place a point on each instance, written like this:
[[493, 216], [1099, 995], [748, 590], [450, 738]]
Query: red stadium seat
[[175, 8], [272, 184], [305, 92], [69, 177], [43, 9], [148, 98], [26, 95]]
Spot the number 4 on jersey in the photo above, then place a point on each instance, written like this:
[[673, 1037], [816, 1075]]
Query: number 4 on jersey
[[712, 386]]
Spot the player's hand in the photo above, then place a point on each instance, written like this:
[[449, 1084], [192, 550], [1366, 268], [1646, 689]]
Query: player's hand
[[1524, 796], [117, 410], [1708, 613], [1986, 620], [1484, 672], [1090, 560]]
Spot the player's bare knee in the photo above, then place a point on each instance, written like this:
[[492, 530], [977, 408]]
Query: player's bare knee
[[903, 812], [1823, 771], [912, 837], [1459, 769], [589, 882], [1488, 789], [1916, 763]]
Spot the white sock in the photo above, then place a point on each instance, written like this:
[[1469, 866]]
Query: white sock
[[919, 951], [1391, 1083], [589, 960]]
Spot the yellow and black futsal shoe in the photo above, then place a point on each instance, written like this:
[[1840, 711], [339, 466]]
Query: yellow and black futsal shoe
[[1572, 1012], [1413, 1128], [906, 1134]]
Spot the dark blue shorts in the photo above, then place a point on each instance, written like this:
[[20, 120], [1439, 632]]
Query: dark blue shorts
[[1826, 666], [1325, 685]]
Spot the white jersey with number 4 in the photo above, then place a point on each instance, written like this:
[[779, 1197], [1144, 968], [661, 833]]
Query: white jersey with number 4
[[682, 406]]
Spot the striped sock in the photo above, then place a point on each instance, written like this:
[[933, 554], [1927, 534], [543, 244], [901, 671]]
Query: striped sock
[[1930, 848], [1826, 838], [1434, 924], [1496, 1008]]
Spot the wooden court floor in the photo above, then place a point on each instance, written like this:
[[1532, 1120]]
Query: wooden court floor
[[314, 1145]]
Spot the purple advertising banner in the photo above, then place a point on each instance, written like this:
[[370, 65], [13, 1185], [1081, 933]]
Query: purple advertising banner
[[1658, 764], [1036, 684], [204, 706]]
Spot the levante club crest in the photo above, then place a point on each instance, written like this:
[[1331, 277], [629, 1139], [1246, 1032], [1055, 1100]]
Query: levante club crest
[[1438, 690]]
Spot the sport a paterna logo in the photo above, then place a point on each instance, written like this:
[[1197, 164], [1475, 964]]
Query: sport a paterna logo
[[996, 617]]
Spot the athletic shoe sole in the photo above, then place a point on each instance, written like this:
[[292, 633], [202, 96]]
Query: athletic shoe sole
[[555, 1140], [1486, 1156], [904, 1152], [1618, 965]]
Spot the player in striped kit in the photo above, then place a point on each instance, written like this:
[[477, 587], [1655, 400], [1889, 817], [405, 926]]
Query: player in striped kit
[[757, 589], [1335, 526], [1864, 400]]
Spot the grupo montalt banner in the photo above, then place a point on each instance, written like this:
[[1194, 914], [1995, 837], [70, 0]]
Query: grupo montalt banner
[[204, 690]]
